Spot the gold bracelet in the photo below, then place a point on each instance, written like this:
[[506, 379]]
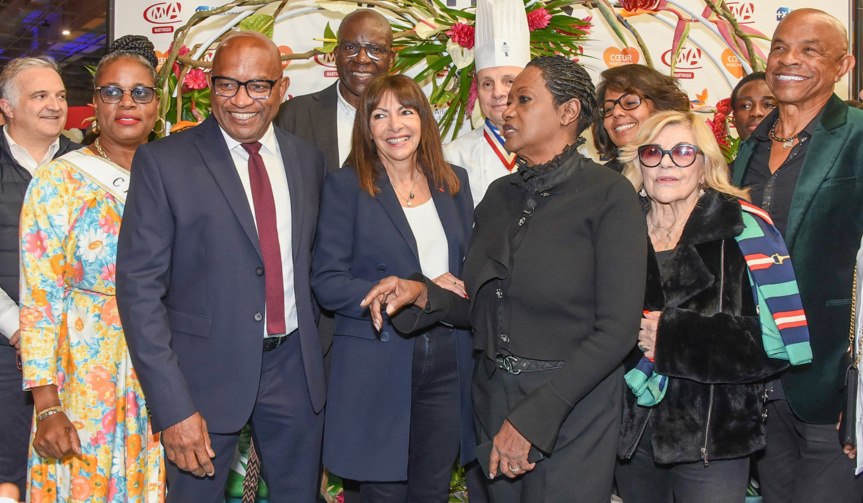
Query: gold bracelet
[[49, 412]]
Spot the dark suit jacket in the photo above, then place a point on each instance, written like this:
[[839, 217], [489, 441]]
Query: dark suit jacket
[[313, 118], [823, 234], [189, 288], [361, 240]]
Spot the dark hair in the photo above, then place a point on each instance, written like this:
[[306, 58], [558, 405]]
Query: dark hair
[[745, 80], [565, 80], [137, 47], [364, 153], [854, 104], [644, 81]]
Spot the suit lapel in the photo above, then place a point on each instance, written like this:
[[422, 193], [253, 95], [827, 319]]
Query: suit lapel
[[325, 121], [211, 145], [295, 187], [390, 202], [446, 210], [827, 141]]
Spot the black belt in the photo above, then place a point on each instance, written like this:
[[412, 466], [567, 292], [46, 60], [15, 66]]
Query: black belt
[[516, 365], [271, 343]]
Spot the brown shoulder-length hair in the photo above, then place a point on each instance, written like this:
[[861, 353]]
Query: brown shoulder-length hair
[[429, 156], [642, 80]]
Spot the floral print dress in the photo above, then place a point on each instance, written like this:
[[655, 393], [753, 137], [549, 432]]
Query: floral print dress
[[71, 336]]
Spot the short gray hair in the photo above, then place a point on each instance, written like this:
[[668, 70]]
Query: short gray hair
[[8, 89]]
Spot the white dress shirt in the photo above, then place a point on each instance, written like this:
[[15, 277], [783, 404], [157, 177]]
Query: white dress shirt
[[345, 126], [8, 308], [272, 156]]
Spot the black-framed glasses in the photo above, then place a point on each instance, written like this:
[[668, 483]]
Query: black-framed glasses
[[373, 51], [627, 101], [227, 87], [682, 155], [114, 94]]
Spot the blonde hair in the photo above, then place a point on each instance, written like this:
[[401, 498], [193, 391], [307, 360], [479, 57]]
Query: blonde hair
[[715, 171]]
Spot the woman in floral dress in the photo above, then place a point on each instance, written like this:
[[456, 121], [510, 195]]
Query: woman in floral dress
[[91, 439]]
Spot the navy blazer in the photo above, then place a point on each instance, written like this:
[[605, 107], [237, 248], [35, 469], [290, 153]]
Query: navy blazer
[[189, 285], [314, 118], [361, 240]]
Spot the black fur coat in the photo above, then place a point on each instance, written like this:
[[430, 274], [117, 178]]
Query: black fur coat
[[708, 343]]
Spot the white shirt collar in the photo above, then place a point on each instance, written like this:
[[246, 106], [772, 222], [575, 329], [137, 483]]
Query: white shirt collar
[[22, 155], [268, 141], [342, 101]]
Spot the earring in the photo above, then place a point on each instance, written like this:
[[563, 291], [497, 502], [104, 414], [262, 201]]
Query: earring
[[96, 128], [642, 192], [700, 192]]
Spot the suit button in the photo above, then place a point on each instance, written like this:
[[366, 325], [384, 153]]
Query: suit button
[[259, 271], [385, 336], [382, 267], [259, 316]]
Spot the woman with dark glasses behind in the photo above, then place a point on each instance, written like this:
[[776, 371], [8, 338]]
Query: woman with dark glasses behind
[[626, 97], [92, 439], [693, 412]]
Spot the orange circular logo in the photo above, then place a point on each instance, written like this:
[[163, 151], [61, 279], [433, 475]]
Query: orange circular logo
[[284, 51]]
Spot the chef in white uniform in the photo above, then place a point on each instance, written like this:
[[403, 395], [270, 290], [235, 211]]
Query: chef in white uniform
[[502, 49]]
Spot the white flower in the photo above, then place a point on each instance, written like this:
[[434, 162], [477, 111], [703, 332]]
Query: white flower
[[81, 325], [93, 244], [461, 57]]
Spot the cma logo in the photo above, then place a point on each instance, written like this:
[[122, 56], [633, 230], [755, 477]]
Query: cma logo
[[781, 12], [688, 59], [328, 60], [163, 13], [743, 12]]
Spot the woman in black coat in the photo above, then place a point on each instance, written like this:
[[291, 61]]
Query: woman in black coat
[[554, 276], [700, 325]]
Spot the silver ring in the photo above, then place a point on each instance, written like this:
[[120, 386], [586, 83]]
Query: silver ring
[[642, 347], [453, 282], [514, 470]]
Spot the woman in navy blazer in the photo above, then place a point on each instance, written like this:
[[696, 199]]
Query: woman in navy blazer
[[399, 406]]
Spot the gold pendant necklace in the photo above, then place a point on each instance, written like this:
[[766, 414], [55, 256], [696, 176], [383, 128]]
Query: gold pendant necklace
[[409, 200]]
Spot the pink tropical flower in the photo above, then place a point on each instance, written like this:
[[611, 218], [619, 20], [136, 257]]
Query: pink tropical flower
[[724, 106], [538, 19], [36, 243], [182, 52], [195, 79], [631, 5], [471, 98], [462, 34]]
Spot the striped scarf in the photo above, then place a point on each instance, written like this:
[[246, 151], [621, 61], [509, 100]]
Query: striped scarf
[[784, 331]]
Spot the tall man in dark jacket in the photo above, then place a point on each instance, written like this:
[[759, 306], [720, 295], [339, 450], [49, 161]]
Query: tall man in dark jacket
[[803, 163], [213, 266], [326, 118], [33, 100]]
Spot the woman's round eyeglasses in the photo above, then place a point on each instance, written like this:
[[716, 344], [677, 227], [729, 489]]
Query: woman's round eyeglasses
[[682, 155]]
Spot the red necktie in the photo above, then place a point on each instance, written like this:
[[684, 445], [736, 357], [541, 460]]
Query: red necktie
[[268, 235]]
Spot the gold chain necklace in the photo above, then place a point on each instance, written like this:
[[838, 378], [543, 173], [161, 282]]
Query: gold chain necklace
[[101, 152], [411, 195]]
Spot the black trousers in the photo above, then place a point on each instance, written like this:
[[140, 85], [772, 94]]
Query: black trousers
[[16, 415], [642, 480], [434, 427], [287, 435], [581, 468], [804, 463]]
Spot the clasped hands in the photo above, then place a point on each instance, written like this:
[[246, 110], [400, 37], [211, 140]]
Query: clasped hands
[[396, 293]]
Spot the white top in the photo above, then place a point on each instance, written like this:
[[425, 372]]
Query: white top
[[345, 127], [9, 312], [23, 157], [473, 153], [431, 239], [272, 157]]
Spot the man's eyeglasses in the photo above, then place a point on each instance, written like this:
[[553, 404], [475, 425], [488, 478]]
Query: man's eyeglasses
[[227, 87], [627, 102], [114, 94], [682, 155], [373, 51]]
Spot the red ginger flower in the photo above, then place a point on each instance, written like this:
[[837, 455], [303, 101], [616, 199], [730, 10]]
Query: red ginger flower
[[631, 5], [724, 106], [538, 19], [462, 34], [195, 79], [182, 52]]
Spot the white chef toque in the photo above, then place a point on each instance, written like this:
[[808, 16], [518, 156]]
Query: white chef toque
[[502, 37]]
